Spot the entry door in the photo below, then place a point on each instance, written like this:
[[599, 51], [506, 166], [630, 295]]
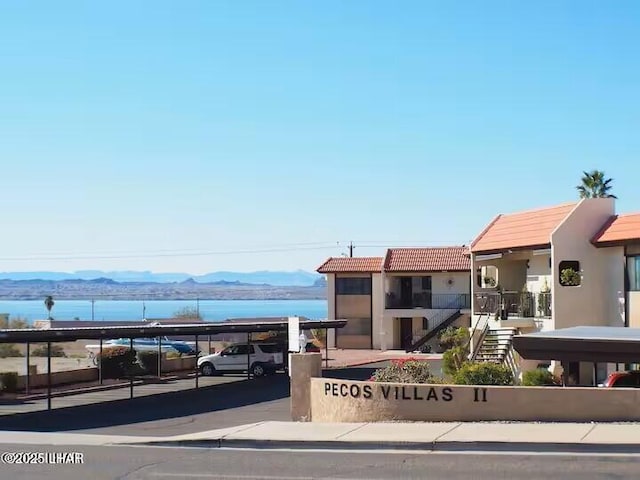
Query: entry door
[[406, 332]]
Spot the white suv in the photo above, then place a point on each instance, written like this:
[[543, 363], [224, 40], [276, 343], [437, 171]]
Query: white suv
[[264, 358]]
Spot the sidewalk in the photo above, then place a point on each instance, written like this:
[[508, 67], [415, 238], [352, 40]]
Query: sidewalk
[[437, 437]]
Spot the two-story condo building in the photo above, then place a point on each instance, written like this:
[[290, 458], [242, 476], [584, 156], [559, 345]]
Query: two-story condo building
[[401, 300], [551, 268]]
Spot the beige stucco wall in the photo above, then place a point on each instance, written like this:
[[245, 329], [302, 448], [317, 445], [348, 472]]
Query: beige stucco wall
[[302, 367], [595, 301], [377, 309], [512, 271], [633, 298], [335, 400], [539, 272], [331, 308]]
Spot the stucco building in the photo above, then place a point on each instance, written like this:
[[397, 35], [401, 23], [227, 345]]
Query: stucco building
[[401, 300]]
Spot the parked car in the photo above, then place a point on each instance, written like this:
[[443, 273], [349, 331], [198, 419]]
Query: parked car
[[629, 379], [263, 358]]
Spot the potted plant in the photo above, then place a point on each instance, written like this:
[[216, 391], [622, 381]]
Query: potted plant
[[525, 304], [544, 300], [569, 277]]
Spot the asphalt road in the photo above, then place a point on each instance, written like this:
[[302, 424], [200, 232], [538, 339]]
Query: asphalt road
[[177, 413], [132, 463]]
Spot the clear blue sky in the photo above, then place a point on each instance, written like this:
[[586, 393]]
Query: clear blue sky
[[144, 130]]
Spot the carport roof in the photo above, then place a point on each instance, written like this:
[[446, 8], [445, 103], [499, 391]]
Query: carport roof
[[144, 331], [586, 344]]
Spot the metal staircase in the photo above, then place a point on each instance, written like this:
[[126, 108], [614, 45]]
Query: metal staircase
[[437, 323]]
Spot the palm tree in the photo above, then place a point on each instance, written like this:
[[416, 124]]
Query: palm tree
[[594, 185], [49, 303]]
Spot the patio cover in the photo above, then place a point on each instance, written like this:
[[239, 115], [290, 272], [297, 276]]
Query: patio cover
[[581, 344]]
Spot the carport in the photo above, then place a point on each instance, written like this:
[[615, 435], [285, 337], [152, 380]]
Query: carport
[[53, 335], [581, 344]]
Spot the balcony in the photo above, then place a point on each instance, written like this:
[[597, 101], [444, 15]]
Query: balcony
[[428, 300], [513, 304]]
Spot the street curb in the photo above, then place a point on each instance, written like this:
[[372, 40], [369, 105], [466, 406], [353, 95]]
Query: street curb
[[480, 446]]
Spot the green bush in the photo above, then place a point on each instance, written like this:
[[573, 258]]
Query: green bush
[[405, 371], [9, 381], [452, 337], [41, 351], [454, 358], [9, 350], [118, 362], [537, 377], [483, 373], [149, 362]]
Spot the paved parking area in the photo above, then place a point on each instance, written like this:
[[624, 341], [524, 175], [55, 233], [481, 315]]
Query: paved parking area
[[8, 407], [172, 409]]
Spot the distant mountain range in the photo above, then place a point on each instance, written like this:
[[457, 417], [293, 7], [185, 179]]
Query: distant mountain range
[[298, 278]]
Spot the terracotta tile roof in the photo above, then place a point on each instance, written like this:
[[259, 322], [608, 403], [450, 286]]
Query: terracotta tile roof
[[619, 229], [521, 230], [427, 259], [351, 265]]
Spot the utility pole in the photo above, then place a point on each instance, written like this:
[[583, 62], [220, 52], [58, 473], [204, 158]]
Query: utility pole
[[351, 249]]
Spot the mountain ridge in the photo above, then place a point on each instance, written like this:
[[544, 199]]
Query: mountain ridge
[[296, 278]]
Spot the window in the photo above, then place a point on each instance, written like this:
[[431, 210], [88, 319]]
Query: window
[[426, 283], [353, 286], [237, 350], [633, 272], [570, 273]]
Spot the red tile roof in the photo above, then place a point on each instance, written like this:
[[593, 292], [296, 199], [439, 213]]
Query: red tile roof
[[521, 230], [351, 265], [618, 230], [427, 259]]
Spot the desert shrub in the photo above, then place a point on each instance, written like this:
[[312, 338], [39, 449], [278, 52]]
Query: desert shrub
[[537, 377], [9, 350], [118, 362], [483, 373], [14, 323], [405, 371], [41, 351], [149, 362], [452, 337], [454, 358], [9, 381]]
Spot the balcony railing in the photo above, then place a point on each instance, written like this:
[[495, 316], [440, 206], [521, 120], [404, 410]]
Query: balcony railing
[[513, 304], [430, 301]]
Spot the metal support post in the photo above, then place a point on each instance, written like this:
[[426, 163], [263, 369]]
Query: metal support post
[[131, 372], [159, 358], [26, 385], [248, 356], [100, 363], [196, 361], [48, 375], [326, 348]]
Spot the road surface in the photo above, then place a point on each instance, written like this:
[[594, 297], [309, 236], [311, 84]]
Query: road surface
[[133, 463]]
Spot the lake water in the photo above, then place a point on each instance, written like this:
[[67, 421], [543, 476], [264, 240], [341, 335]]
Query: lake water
[[211, 310]]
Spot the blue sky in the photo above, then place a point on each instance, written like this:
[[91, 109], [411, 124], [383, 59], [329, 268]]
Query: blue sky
[[209, 135]]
